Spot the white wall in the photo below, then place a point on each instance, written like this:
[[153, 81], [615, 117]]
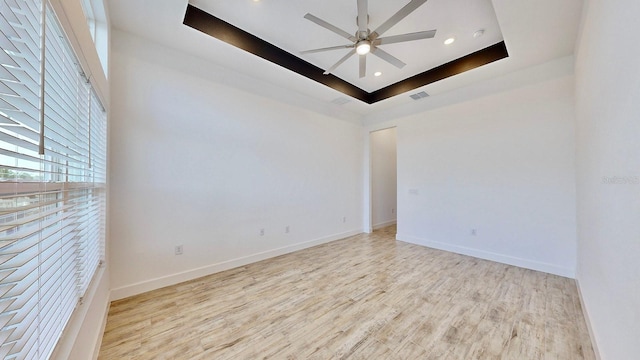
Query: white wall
[[608, 146], [205, 165], [502, 165], [383, 177]]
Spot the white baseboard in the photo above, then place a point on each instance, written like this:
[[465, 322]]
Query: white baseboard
[[384, 224], [588, 321], [487, 255], [160, 282]]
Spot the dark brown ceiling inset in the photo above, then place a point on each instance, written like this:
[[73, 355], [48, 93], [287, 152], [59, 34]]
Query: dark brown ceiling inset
[[218, 28]]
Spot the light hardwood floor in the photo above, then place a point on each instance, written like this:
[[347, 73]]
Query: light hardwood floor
[[364, 297]]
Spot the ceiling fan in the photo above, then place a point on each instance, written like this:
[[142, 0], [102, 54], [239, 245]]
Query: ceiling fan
[[366, 41]]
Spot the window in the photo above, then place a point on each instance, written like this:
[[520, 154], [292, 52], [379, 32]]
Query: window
[[52, 180], [95, 15], [87, 7]]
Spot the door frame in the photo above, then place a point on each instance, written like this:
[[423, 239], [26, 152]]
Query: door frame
[[368, 181]]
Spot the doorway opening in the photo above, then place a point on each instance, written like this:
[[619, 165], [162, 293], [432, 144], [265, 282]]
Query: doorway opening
[[384, 178]]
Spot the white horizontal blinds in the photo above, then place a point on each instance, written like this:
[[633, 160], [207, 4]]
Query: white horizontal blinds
[[51, 205], [20, 88], [62, 164], [98, 141], [92, 248], [20, 230]]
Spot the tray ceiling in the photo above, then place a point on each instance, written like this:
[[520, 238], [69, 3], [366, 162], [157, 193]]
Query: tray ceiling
[[282, 25], [535, 32]]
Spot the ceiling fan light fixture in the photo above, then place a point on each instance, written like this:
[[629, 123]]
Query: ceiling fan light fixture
[[363, 47]]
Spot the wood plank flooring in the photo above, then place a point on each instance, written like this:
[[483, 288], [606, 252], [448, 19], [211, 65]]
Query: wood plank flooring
[[364, 297]]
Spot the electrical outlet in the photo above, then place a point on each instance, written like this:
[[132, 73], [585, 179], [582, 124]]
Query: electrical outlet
[[178, 250], [286, 229], [393, 211], [344, 219], [473, 232], [261, 232]]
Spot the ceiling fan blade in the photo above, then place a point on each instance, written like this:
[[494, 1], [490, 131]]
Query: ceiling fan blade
[[387, 57], [363, 66], [405, 37], [401, 14], [329, 70], [330, 27], [327, 49], [363, 16]]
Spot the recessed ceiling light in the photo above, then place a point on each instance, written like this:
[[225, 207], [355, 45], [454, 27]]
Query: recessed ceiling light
[[377, 73], [449, 41], [478, 33]]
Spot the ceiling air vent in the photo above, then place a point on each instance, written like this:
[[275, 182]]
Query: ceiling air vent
[[418, 96], [340, 101]]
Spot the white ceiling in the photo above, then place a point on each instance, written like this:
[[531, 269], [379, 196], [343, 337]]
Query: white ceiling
[[282, 23], [535, 32]]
